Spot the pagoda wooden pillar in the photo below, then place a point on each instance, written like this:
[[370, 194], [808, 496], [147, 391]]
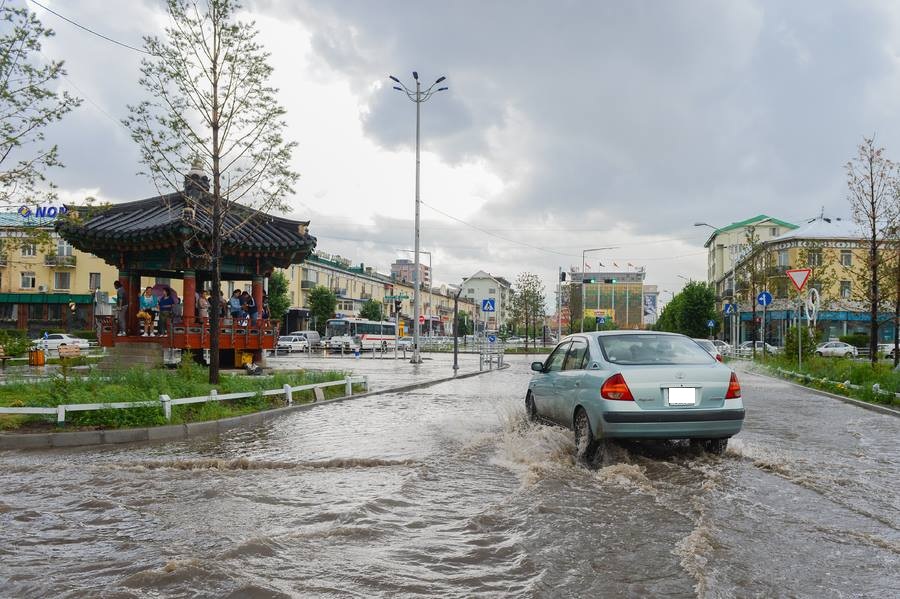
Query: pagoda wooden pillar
[[189, 308], [134, 294], [256, 290]]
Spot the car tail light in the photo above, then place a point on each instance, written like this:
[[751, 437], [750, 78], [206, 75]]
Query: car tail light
[[719, 358], [734, 388], [615, 388]]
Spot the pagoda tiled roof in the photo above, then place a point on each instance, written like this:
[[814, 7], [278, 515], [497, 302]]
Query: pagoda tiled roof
[[171, 216]]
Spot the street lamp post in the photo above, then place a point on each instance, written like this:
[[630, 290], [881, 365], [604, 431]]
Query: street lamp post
[[418, 96], [583, 254]]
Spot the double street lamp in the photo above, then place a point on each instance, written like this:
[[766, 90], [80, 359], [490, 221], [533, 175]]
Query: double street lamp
[[418, 96]]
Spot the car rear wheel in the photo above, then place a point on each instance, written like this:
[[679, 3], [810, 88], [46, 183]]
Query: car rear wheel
[[818, 353], [713, 446], [530, 409], [848, 355], [588, 450]]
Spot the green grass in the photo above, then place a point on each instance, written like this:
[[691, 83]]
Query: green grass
[[143, 387], [840, 370]]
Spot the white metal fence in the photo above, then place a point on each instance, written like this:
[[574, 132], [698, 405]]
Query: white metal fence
[[167, 402]]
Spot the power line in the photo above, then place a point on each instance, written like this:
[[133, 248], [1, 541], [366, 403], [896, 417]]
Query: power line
[[89, 30]]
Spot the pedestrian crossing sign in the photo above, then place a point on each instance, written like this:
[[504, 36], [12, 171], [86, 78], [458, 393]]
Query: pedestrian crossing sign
[[488, 305]]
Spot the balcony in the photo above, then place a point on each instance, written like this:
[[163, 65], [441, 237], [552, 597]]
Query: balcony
[[55, 261], [339, 291], [365, 296], [305, 284]]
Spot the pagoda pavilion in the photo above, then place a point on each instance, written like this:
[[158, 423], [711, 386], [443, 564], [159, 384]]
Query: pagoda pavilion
[[165, 236]]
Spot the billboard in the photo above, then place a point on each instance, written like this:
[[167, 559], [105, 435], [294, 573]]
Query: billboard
[[650, 313]]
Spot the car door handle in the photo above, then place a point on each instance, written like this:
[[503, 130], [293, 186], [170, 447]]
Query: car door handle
[[577, 383]]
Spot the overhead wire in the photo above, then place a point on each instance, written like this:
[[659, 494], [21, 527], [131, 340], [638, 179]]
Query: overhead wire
[[89, 30]]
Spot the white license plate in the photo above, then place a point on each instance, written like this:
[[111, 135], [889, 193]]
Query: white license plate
[[682, 396]]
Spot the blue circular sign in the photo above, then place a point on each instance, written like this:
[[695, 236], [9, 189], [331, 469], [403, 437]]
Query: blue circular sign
[[764, 298], [492, 338]]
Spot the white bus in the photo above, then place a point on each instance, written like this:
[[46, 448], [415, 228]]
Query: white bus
[[353, 333]]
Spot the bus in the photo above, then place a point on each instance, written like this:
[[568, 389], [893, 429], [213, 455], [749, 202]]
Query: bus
[[359, 333]]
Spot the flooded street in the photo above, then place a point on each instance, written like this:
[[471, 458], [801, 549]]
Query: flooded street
[[447, 491]]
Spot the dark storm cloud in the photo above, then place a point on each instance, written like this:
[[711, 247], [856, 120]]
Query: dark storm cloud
[[653, 113]]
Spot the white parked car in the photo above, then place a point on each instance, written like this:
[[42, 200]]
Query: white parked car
[[292, 343], [886, 350], [54, 341], [723, 347], [746, 348], [837, 348]]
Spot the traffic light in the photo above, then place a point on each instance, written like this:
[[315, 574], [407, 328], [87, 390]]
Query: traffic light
[[562, 277], [397, 305], [610, 281], [590, 280]]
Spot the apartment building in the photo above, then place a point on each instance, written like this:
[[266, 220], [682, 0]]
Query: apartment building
[[482, 286]]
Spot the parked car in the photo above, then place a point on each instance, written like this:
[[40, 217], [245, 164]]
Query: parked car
[[635, 385], [886, 350], [312, 337], [710, 347], [724, 348], [292, 343], [53, 341], [837, 348], [405, 343], [746, 348]]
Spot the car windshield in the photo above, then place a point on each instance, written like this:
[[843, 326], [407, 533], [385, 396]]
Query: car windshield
[[652, 349], [285, 339]]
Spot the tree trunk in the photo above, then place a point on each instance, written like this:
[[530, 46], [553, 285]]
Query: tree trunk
[[897, 310], [216, 228]]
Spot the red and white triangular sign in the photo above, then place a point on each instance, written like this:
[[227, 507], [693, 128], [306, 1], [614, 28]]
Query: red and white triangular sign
[[799, 276]]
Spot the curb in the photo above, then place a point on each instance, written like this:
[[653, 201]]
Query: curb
[[192, 430], [847, 400]]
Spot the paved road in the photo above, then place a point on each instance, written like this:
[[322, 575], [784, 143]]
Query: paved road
[[449, 492]]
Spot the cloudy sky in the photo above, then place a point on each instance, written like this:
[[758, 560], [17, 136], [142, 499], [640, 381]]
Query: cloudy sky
[[568, 124]]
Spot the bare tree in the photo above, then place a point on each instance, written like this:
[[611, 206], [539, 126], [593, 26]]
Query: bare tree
[[210, 101], [873, 200], [528, 303], [29, 103]]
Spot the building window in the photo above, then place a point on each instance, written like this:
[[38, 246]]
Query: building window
[[292, 298], [29, 250], [471, 291], [492, 291], [94, 281], [9, 312], [783, 258], [846, 258], [28, 280], [35, 311], [845, 289], [62, 280], [815, 258], [63, 248], [54, 312], [773, 231]]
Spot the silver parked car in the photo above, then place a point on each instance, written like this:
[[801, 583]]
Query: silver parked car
[[837, 348], [635, 385]]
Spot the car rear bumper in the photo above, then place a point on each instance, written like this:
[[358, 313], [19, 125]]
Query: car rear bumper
[[673, 424], [675, 416]]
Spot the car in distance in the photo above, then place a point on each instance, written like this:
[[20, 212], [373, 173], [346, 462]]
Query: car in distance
[[837, 348], [723, 347], [886, 350], [710, 347], [635, 385], [312, 337], [54, 341], [405, 343], [746, 348], [292, 343]]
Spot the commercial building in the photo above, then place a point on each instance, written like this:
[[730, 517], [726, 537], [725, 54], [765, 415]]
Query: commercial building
[[835, 251], [615, 294], [727, 244]]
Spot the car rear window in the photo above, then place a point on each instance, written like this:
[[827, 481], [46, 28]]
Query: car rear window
[[652, 349]]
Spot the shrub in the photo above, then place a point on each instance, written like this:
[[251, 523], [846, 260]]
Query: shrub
[[14, 345], [808, 339], [856, 339]]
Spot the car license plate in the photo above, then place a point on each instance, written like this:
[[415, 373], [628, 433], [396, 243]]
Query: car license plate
[[682, 396]]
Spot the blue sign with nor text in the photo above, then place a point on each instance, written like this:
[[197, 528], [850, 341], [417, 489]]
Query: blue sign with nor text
[[764, 298]]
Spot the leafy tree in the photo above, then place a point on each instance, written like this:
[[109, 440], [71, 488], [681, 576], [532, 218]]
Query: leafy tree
[[371, 310], [807, 340], [29, 102], [875, 208], [690, 311], [464, 325], [322, 302], [210, 104], [528, 307], [575, 307], [279, 300]]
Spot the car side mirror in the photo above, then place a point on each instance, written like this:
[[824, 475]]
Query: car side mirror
[[537, 366]]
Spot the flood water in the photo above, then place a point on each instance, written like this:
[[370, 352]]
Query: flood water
[[448, 492]]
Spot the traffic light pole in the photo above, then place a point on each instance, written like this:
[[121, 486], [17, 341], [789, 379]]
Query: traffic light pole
[[559, 306]]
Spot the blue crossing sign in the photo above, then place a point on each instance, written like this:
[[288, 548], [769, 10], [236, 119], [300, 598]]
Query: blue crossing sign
[[710, 323], [488, 305], [601, 320], [730, 308], [764, 298]]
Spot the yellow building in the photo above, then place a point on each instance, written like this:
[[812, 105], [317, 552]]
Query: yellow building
[[834, 251]]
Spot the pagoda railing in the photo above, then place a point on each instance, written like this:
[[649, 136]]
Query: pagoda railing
[[195, 334]]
